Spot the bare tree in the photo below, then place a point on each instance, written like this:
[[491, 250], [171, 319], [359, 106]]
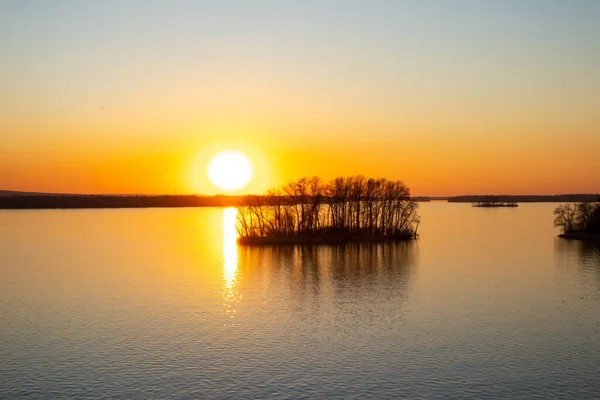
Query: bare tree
[[351, 207], [585, 213], [566, 217]]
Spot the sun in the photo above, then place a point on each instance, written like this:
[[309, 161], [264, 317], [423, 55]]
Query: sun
[[230, 170]]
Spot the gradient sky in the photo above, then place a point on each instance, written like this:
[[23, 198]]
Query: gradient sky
[[453, 97]]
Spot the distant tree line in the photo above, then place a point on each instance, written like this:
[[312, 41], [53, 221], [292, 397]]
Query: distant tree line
[[33, 201], [559, 198], [347, 207], [581, 217]]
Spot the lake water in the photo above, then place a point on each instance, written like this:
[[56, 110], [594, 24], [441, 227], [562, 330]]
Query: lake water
[[158, 303]]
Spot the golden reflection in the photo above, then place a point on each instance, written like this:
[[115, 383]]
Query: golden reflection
[[229, 245], [230, 261]]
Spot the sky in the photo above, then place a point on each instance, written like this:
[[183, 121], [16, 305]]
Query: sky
[[451, 97]]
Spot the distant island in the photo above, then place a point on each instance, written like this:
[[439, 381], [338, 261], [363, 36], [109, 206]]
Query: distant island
[[486, 204], [494, 201], [578, 221], [346, 209]]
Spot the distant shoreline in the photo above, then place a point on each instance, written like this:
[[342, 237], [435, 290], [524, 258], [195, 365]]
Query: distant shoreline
[[558, 198], [32, 202], [12, 200], [52, 201]]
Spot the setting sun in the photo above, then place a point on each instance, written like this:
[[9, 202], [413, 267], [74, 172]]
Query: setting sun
[[230, 170]]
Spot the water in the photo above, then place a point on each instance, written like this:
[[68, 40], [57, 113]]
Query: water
[[159, 303]]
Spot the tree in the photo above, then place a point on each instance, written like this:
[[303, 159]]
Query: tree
[[566, 217], [585, 213], [594, 221], [348, 207]]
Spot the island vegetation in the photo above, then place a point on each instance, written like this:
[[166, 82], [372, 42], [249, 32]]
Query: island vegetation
[[344, 210], [578, 221], [494, 201]]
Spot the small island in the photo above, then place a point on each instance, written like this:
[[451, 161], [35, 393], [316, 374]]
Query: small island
[[578, 221], [527, 198], [495, 203], [347, 209], [491, 201]]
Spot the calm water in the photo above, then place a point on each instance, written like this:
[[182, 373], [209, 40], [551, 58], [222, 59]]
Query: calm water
[[162, 303]]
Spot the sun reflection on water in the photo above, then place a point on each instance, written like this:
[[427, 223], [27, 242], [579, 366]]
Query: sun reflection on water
[[230, 261]]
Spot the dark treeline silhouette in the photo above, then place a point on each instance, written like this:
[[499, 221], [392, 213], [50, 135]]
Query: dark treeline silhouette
[[31, 200], [488, 204], [578, 218], [112, 201], [345, 209], [16, 200], [559, 198], [494, 201]]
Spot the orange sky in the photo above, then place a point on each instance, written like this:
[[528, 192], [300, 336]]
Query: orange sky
[[429, 165], [451, 100]]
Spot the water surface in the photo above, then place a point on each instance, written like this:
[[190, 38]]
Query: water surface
[[156, 303]]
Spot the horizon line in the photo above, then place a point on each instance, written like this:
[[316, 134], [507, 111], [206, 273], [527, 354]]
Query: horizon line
[[9, 192]]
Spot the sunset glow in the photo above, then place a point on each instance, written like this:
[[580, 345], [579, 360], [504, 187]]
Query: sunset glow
[[450, 98]]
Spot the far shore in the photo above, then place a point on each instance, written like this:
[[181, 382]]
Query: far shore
[[32, 200], [74, 201]]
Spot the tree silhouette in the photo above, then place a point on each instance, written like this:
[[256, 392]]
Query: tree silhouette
[[347, 208], [583, 217]]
